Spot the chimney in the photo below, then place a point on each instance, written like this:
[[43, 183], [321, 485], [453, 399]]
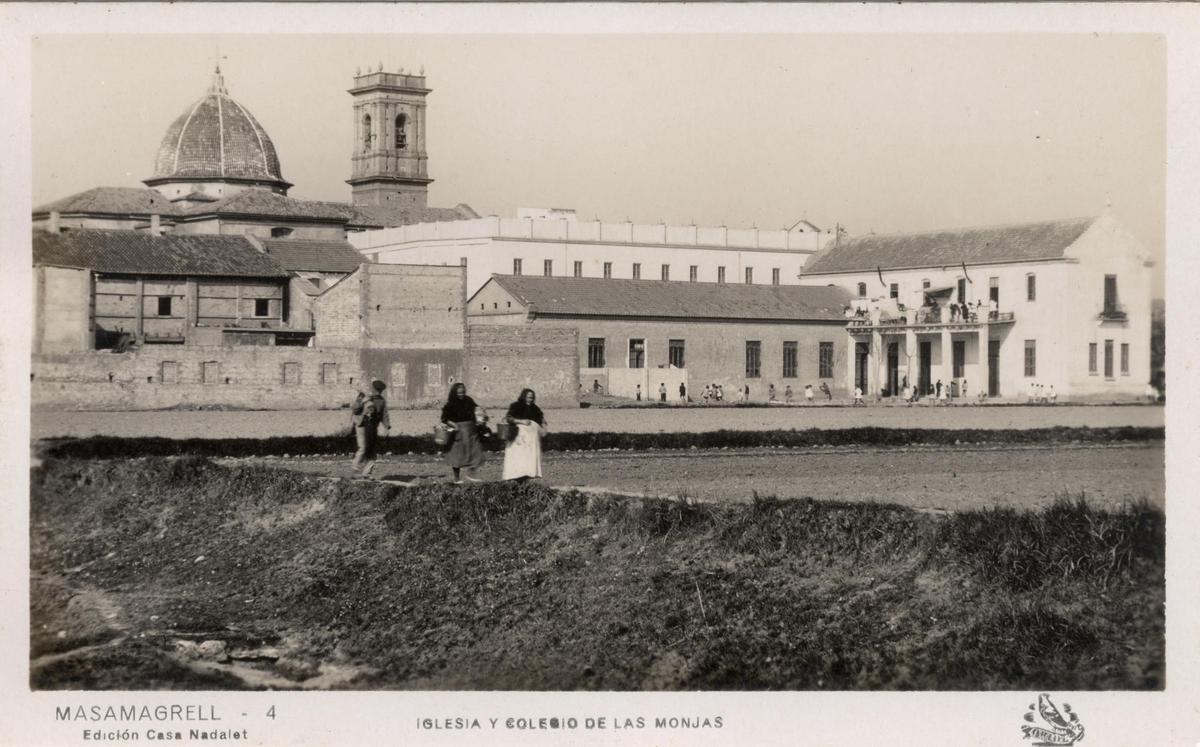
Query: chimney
[[55, 220], [155, 225]]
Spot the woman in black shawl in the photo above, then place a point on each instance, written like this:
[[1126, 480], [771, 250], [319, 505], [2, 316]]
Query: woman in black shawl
[[459, 415], [523, 456]]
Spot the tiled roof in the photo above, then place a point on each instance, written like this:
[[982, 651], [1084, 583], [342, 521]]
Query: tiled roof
[[141, 253], [388, 216], [112, 200], [1028, 241], [217, 138], [264, 202], [674, 299], [314, 255]]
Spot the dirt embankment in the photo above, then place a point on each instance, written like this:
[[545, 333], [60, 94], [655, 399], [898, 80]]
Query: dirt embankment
[[177, 573]]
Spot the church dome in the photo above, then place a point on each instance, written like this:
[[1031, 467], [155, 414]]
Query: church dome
[[217, 139]]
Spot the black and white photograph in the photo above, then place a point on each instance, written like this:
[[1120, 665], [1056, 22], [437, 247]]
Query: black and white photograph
[[598, 382]]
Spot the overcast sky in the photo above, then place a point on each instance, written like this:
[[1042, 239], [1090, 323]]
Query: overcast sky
[[878, 132]]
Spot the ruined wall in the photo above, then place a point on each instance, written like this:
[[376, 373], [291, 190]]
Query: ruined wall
[[158, 376], [505, 359]]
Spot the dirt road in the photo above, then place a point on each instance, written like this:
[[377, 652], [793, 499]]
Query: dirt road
[[265, 424], [923, 477]]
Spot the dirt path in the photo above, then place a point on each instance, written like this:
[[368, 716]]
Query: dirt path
[[265, 424], [922, 477]]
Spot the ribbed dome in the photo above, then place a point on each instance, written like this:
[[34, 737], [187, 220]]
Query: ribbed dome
[[217, 138]]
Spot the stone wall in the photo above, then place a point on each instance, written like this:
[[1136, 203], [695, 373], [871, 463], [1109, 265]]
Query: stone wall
[[62, 309], [505, 359]]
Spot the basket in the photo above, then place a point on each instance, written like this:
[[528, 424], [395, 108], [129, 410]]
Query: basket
[[442, 436]]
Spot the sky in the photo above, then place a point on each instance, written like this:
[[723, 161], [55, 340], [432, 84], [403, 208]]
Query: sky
[[877, 132]]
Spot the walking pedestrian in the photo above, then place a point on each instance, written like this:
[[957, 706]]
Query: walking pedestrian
[[682, 392], [787, 394], [858, 399], [368, 413], [808, 394], [771, 393], [825, 390], [937, 389], [459, 415], [662, 391], [523, 455], [638, 393]]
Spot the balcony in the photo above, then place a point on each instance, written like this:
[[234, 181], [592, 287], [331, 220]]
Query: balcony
[[1113, 312], [927, 320]]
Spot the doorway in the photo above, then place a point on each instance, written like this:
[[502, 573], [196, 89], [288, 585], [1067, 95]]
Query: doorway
[[893, 368], [862, 354], [926, 367], [993, 368]]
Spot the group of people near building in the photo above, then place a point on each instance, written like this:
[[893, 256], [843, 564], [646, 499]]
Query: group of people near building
[[1041, 395], [463, 428]]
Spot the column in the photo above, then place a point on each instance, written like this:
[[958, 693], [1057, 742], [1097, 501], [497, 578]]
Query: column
[[877, 375], [981, 340], [141, 311], [910, 353], [947, 368]]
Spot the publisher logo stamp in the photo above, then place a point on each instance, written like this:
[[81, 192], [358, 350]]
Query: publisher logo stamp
[[1050, 725]]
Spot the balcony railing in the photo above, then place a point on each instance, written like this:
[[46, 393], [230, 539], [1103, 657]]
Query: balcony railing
[[1114, 312], [928, 318]]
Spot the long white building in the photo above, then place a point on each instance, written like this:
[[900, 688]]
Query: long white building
[[559, 246], [1062, 303]]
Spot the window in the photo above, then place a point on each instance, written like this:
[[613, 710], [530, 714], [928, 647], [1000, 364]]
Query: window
[[962, 290], [753, 359], [894, 290], [291, 374], [1092, 358], [1124, 359], [825, 360], [578, 269], [791, 359], [401, 136], [328, 374], [366, 123], [547, 267], [693, 273], [164, 305], [1031, 357], [516, 267], [720, 274], [862, 290], [462, 261], [262, 307], [774, 276], [1108, 359], [925, 284], [959, 357], [278, 232], [749, 275], [608, 269], [168, 372], [595, 352], [994, 290], [210, 372], [1031, 287], [666, 272], [675, 353], [1110, 292], [637, 353], [637, 270]]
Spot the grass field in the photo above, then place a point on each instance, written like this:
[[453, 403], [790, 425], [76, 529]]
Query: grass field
[[180, 574]]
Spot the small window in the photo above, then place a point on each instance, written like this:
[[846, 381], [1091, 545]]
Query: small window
[[366, 132], [547, 267], [1031, 287], [637, 353], [462, 261], [1108, 359], [962, 290], [637, 270], [791, 359], [164, 305], [279, 232], [291, 374], [693, 273], [825, 360], [749, 276], [262, 307], [210, 372], [862, 290], [401, 135], [608, 269], [924, 284], [595, 352], [1124, 359], [994, 290], [894, 290], [753, 359], [1093, 358], [328, 374], [168, 372], [578, 269], [675, 353], [1031, 357], [720, 274], [666, 272], [774, 276], [516, 267]]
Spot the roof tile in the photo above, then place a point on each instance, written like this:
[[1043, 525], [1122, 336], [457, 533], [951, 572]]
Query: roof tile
[[314, 255], [140, 253]]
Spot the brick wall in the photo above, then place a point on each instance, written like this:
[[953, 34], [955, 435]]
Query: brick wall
[[338, 312], [504, 359], [414, 306], [250, 377]]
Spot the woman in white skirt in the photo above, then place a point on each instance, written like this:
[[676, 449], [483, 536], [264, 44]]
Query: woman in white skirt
[[523, 455]]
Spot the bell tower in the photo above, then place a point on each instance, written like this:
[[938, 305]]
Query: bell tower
[[389, 165]]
